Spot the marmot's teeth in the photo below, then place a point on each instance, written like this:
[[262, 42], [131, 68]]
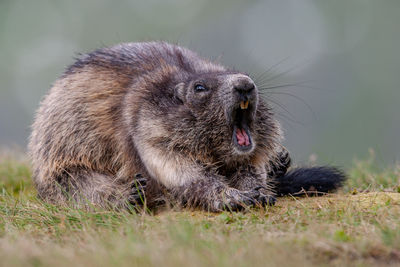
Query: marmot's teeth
[[244, 105]]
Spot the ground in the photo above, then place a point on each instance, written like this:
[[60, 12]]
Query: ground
[[357, 226]]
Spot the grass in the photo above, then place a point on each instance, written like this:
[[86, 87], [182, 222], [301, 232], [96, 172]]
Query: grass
[[359, 226]]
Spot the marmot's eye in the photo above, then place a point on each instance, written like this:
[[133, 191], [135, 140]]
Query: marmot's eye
[[200, 88]]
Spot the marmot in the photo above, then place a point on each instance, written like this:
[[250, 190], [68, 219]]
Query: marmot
[[195, 130]]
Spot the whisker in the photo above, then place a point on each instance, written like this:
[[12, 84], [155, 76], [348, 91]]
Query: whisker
[[295, 86], [285, 117], [288, 121], [262, 75], [261, 87], [284, 108], [274, 77], [298, 98]]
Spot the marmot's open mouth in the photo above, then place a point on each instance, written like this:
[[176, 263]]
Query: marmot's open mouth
[[241, 132]]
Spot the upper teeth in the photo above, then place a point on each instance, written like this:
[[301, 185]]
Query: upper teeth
[[244, 104]]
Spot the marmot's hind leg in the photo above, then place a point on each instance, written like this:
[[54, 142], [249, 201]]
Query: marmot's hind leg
[[85, 188]]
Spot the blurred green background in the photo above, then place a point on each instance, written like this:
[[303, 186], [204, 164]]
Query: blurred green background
[[343, 55]]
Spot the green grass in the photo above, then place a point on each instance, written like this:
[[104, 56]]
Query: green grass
[[358, 226]]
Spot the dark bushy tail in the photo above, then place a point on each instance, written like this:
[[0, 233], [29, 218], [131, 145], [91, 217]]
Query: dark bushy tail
[[313, 180]]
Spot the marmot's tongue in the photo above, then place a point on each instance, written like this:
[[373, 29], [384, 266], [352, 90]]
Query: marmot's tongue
[[242, 137]]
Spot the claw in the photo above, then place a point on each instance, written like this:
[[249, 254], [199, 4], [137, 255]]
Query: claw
[[239, 200], [138, 189], [139, 181], [267, 200]]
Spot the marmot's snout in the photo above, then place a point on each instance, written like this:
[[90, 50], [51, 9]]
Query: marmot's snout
[[243, 113], [244, 89]]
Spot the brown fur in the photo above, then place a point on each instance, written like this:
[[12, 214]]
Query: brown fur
[[131, 109]]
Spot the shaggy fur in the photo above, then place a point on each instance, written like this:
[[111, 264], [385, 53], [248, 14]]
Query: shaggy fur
[[161, 111]]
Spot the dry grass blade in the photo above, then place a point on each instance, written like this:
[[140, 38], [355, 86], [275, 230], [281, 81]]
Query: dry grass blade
[[347, 228]]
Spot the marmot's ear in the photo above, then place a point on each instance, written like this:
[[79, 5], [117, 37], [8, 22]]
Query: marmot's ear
[[179, 91]]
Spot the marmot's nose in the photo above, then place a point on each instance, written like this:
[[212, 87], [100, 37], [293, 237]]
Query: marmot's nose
[[244, 86]]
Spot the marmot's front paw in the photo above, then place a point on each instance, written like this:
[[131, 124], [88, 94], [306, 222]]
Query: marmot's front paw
[[280, 167], [264, 198], [138, 189], [236, 200]]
